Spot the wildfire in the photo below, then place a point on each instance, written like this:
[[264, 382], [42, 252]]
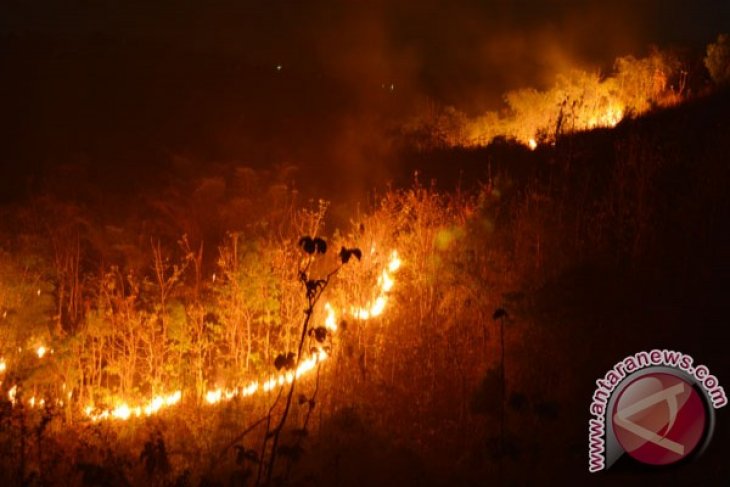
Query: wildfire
[[610, 118], [395, 262], [588, 120], [217, 395], [385, 284], [331, 321], [577, 101], [124, 411]]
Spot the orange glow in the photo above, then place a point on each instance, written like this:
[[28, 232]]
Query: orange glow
[[577, 101], [124, 411], [378, 306], [610, 118], [395, 262], [212, 397], [331, 321], [385, 285], [41, 351], [386, 282], [588, 120]]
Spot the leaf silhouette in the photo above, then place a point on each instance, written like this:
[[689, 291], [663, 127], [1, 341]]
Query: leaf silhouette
[[279, 361], [320, 245], [320, 334], [308, 244], [290, 360], [346, 254], [313, 286]]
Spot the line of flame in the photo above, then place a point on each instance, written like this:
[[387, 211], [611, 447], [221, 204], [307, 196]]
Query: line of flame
[[375, 308], [609, 118]]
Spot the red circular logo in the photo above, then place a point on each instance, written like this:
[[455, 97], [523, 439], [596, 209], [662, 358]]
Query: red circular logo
[[659, 419]]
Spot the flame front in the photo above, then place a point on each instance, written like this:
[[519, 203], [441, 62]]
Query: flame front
[[124, 411], [331, 321], [604, 118], [609, 118], [385, 285]]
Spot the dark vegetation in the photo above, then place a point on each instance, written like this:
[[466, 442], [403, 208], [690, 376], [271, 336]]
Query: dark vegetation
[[604, 244]]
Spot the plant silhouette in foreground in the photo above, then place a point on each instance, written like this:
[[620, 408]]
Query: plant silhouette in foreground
[[289, 361]]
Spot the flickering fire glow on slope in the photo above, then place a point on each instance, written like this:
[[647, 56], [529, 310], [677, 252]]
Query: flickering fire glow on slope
[[124, 411], [608, 118], [578, 100], [375, 308]]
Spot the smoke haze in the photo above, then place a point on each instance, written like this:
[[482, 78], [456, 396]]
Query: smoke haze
[[126, 88]]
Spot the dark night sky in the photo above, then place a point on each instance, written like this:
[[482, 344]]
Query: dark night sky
[[135, 82]]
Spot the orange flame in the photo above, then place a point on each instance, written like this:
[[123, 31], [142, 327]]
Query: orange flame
[[123, 411]]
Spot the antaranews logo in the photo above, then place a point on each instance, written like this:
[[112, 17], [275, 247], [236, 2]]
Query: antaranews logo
[[657, 407]]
